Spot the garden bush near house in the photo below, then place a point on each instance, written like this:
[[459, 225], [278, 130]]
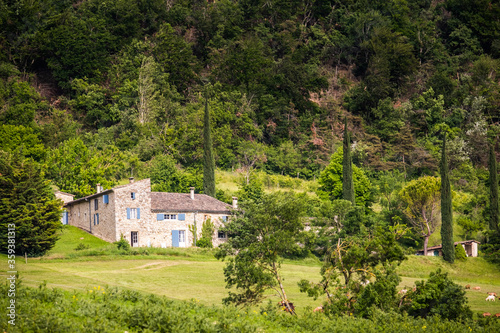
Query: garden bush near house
[[122, 244]]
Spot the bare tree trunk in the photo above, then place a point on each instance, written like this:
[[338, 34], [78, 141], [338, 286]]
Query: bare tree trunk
[[426, 241]]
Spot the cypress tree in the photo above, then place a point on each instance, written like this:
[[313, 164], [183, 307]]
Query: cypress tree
[[446, 209], [347, 179], [492, 165], [208, 155]]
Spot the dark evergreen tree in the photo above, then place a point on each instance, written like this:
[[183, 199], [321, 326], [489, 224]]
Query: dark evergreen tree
[[446, 209], [27, 205], [208, 156], [347, 179], [492, 165]]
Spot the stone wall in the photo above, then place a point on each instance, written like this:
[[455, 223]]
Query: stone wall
[[123, 200]]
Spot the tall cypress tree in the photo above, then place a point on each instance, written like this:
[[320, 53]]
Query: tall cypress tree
[[347, 179], [446, 208], [492, 165], [208, 155]]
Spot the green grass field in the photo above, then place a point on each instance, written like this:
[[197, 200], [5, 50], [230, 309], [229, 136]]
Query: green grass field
[[185, 274]]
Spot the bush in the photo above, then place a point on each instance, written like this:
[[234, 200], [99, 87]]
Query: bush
[[204, 242], [122, 244], [438, 296], [82, 246], [460, 253]]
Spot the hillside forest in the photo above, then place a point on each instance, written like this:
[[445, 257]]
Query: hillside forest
[[95, 92]]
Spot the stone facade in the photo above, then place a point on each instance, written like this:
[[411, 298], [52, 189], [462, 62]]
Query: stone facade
[[129, 212]]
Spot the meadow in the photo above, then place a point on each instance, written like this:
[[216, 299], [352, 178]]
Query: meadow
[[194, 274]]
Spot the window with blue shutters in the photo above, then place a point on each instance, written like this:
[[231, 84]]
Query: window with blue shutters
[[132, 195], [97, 217], [133, 213], [105, 199], [65, 218]]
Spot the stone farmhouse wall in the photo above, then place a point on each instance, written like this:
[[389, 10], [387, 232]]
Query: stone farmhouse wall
[[125, 225], [128, 210]]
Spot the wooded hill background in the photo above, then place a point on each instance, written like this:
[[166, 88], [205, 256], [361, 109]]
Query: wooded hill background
[[98, 91]]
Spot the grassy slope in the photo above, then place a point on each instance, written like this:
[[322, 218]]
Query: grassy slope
[[194, 274]]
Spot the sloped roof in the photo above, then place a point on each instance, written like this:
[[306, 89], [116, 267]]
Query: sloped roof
[[182, 202], [440, 246]]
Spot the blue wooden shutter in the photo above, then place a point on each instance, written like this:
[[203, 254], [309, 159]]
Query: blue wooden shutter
[[182, 217], [128, 213], [133, 195], [65, 218], [97, 215], [175, 238], [138, 213], [105, 199], [159, 217]]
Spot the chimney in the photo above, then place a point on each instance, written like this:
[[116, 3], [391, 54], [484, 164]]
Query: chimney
[[235, 203], [131, 180], [98, 188], [191, 189]]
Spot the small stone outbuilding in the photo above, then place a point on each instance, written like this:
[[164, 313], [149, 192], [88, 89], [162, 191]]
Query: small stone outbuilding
[[470, 247], [146, 218]]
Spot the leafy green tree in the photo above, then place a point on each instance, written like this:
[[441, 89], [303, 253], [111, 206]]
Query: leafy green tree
[[347, 177], [494, 210], [208, 155], [259, 235], [437, 296], [331, 181], [27, 205], [22, 140], [421, 197], [446, 208], [349, 264]]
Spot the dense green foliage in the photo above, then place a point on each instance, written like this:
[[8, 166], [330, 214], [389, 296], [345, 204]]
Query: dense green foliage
[[114, 310], [494, 209], [208, 155], [438, 296], [347, 175], [446, 208], [27, 207], [207, 234], [460, 253]]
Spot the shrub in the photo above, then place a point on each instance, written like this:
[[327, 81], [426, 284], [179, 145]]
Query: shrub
[[460, 253], [122, 244], [438, 296], [82, 246]]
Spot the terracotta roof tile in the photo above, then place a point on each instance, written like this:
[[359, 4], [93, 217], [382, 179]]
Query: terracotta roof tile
[[182, 202]]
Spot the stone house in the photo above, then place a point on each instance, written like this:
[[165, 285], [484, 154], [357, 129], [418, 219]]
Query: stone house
[[470, 247], [146, 218]]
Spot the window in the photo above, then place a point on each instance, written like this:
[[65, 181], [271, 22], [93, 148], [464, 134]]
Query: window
[[161, 217], [96, 219], [224, 219], [96, 204], [221, 234], [133, 213], [132, 195]]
